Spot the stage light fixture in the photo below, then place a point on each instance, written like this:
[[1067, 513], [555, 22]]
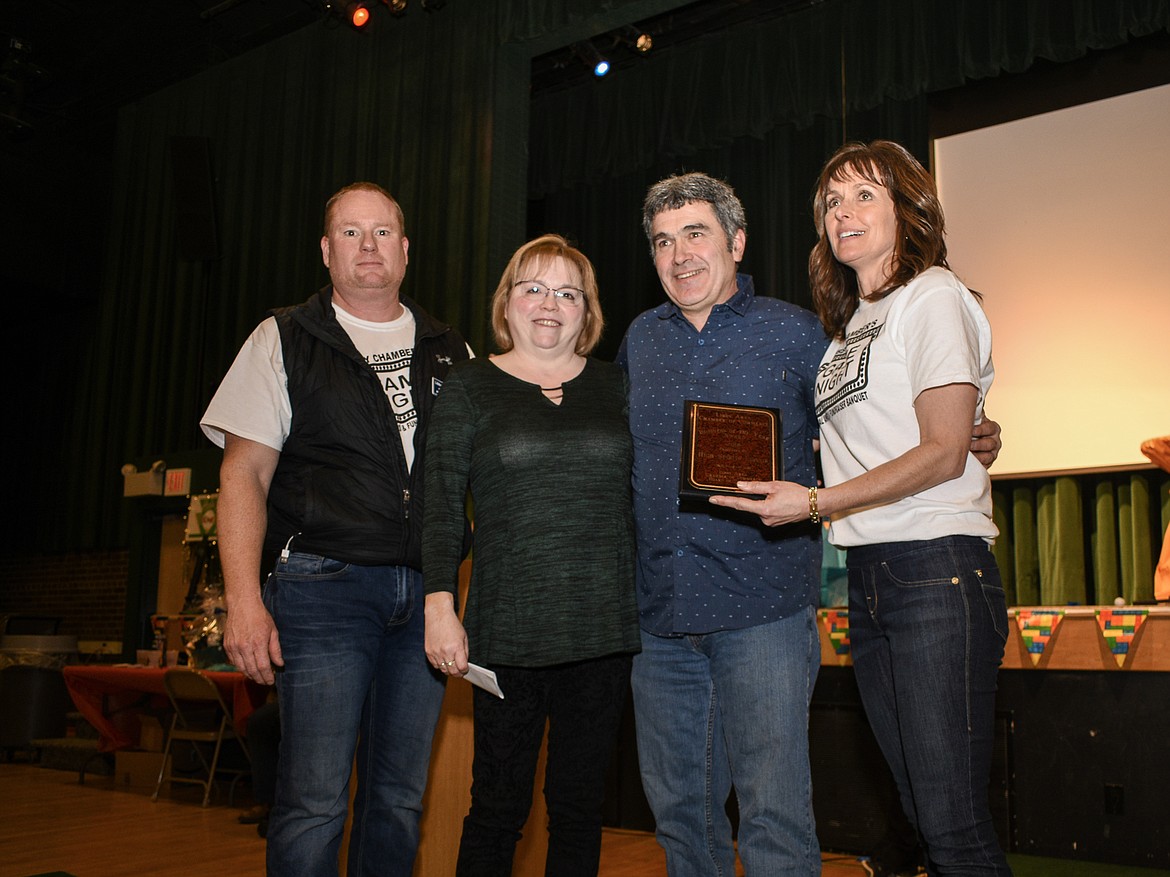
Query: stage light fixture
[[639, 40], [396, 7], [588, 53], [357, 14]]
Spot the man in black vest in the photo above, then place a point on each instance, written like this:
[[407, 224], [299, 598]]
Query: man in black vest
[[323, 419]]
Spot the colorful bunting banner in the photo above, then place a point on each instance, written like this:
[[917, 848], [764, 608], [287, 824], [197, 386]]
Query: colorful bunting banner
[[1038, 629], [836, 623], [1118, 628]]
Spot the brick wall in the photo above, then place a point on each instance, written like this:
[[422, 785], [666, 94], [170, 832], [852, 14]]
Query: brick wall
[[85, 589]]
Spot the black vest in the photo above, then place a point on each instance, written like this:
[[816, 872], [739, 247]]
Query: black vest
[[341, 488]]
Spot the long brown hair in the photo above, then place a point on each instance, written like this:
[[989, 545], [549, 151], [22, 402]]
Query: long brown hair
[[919, 243]]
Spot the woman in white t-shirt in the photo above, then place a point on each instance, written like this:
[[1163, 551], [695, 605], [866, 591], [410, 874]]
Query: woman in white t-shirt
[[898, 393]]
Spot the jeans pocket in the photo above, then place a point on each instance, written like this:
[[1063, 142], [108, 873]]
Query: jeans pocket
[[306, 567], [994, 598], [916, 570]]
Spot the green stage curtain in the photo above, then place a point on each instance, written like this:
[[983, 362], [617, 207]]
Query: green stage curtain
[[746, 80], [1105, 543], [1059, 533], [549, 24], [408, 105], [1081, 539], [1026, 557], [1135, 541]]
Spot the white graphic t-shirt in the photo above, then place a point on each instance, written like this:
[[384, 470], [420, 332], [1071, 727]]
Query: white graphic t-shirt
[[387, 348], [929, 333]]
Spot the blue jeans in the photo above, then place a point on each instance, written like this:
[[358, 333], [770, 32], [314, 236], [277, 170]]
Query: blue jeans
[[727, 708], [927, 627], [355, 678]]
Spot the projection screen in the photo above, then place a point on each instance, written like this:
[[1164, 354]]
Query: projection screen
[[1062, 221]]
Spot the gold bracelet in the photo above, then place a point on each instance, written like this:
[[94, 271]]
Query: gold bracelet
[[813, 514]]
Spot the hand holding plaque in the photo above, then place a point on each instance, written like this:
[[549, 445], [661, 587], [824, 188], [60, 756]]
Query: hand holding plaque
[[723, 444]]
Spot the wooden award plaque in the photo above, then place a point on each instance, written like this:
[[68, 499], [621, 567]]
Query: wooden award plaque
[[723, 444]]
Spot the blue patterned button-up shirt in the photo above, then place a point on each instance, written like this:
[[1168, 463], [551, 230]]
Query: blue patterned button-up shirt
[[702, 568]]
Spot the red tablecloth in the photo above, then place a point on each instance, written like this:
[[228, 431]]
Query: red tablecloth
[[112, 698]]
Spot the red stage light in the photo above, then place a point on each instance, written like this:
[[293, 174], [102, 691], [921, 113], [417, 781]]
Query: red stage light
[[360, 17]]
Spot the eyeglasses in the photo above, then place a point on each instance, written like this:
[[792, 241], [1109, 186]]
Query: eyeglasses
[[534, 290]]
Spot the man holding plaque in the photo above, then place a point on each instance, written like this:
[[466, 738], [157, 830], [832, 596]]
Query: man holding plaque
[[730, 649]]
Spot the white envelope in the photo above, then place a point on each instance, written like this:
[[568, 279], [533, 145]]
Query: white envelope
[[484, 678]]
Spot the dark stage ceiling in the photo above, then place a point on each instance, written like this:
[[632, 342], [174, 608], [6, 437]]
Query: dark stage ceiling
[[68, 64]]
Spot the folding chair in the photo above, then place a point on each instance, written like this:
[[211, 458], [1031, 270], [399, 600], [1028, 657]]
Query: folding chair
[[201, 717]]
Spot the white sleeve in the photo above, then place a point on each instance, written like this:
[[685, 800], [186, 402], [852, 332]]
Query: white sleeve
[[947, 338], [252, 400]]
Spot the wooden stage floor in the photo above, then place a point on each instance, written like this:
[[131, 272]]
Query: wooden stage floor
[[48, 822]]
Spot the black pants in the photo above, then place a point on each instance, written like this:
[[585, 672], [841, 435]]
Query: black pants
[[583, 704]]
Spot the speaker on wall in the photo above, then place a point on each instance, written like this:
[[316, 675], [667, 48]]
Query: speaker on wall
[[194, 191]]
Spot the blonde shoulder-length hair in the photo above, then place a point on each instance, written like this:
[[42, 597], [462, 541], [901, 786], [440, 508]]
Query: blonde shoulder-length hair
[[527, 263]]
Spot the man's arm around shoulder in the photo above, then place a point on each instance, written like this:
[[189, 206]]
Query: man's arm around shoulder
[[250, 638]]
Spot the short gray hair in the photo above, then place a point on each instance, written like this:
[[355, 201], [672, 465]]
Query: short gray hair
[[682, 189]]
